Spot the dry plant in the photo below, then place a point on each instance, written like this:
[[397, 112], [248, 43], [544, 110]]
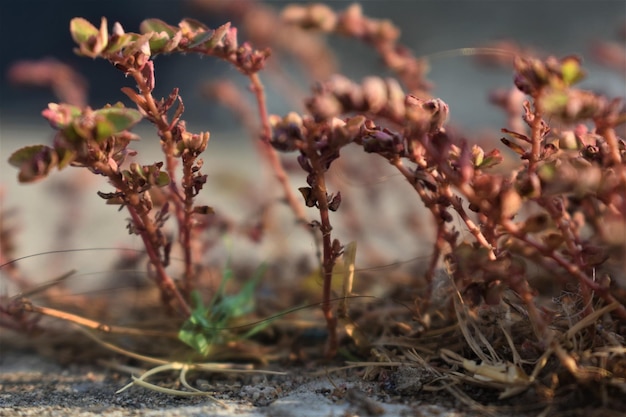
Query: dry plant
[[547, 204]]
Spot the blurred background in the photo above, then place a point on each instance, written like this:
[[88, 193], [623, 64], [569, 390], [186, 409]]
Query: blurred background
[[33, 30]]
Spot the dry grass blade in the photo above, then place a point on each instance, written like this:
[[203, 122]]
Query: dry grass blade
[[181, 368], [45, 286]]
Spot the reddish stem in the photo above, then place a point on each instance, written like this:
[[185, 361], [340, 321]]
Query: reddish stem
[[571, 268], [329, 256], [148, 231], [183, 217], [536, 135], [271, 155]]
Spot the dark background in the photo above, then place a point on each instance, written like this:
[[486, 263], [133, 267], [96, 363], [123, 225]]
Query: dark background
[[32, 29]]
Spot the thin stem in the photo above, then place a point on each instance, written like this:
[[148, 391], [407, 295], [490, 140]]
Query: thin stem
[[571, 269], [563, 222], [329, 255], [320, 192], [457, 205], [432, 206], [608, 133], [272, 156], [148, 232], [95, 325], [185, 232], [536, 128], [167, 143]]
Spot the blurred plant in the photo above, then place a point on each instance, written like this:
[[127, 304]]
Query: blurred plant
[[69, 86]]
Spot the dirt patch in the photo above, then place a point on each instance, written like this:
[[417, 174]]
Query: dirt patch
[[34, 386]]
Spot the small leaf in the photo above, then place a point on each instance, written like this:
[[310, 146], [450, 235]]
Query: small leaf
[[203, 210], [514, 146], [571, 70], [157, 26], [195, 340], [309, 198], [140, 44], [114, 120], [25, 154], [594, 255], [217, 36], [192, 25], [553, 240], [34, 162], [536, 223], [547, 172], [117, 43], [478, 155], [135, 97], [516, 135], [491, 159], [102, 38], [61, 116], [162, 179], [82, 30], [109, 196], [65, 156], [200, 38], [510, 203], [335, 202], [158, 41], [555, 102], [91, 41]]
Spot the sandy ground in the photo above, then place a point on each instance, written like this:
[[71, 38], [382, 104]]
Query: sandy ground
[[33, 386]]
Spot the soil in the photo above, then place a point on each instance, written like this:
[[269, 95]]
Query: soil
[[32, 385]]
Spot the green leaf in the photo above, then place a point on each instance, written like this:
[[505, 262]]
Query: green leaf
[[571, 71], [158, 41], [193, 25], [478, 155], [113, 120], [34, 162], [82, 30], [162, 179], [163, 37], [554, 102], [118, 43], [547, 172], [207, 325], [66, 157], [25, 154], [217, 36], [91, 41], [491, 159], [61, 116], [140, 44], [195, 340], [243, 302], [200, 38], [157, 26]]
